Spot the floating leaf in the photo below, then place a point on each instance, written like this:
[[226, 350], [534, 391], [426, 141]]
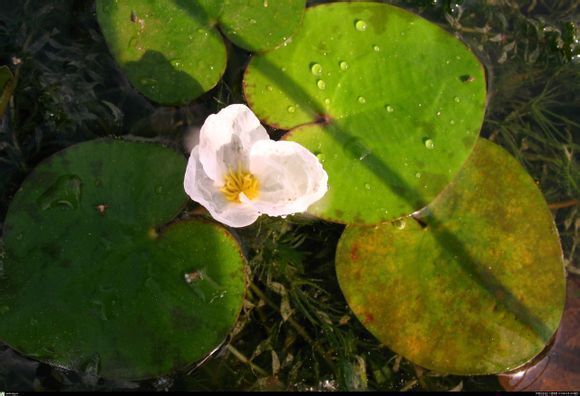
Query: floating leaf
[[171, 50], [391, 103], [92, 281], [475, 286], [558, 369]]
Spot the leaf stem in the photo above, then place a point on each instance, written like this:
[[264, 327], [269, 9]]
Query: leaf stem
[[563, 204], [242, 358]]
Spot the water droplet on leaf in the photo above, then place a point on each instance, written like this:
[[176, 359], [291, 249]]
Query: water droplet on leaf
[[343, 66], [429, 144], [360, 25], [291, 109], [321, 84], [316, 69], [400, 224], [356, 147], [362, 100]]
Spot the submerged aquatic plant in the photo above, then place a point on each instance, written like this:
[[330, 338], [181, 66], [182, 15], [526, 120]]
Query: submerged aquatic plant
[[237, 173]]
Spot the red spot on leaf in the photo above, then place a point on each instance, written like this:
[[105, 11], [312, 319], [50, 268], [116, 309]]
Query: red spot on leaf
[[354, 253], [368, 317]]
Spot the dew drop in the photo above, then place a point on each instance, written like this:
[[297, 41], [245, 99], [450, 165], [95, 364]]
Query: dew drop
[[343, 66], [360, 25], [389, 108], [438, 114], [367, 186], [452, 122], [376, 48], [175, 63], [327, 101], [362, 100], [321, 158], [418, 175], [253, 21], [321, 84], [266, 3], [456, 99], [316, 69], [269, 88], [357, 148], [429, 144], [291, 109], [400, 224]]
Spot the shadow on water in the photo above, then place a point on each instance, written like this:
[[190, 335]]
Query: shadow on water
[[159, 80], [392, 180]]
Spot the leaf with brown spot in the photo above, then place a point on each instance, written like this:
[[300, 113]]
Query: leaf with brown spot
[[479, 289]]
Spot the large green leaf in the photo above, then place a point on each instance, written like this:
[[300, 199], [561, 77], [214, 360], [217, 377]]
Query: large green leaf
[[171, 50], [91, 278], [396, 102], [475, 286]]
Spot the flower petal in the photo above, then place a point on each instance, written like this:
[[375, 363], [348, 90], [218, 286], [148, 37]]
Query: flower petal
[[226, 138], [291, 177], [203, 190]]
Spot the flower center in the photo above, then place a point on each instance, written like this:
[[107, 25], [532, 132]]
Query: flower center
[[240, 181]]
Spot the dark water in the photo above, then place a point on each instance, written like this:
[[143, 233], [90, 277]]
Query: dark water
[[70, 90]]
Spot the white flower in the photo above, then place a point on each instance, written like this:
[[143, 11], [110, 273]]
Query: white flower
[[237, 173]]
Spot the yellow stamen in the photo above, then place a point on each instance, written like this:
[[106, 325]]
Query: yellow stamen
[[240, 181]]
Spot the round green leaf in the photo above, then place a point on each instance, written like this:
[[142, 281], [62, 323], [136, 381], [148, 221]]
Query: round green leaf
[[171, 50], [90, 278], [476, 286], [391, 103]]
